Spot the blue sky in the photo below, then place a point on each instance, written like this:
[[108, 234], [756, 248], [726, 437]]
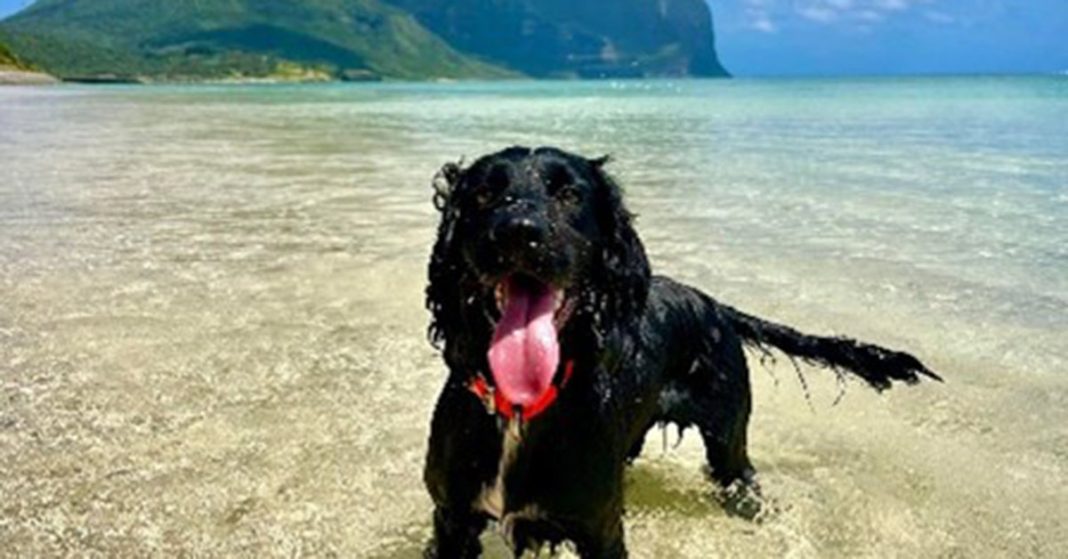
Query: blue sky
[[836, 37], [10, 6]]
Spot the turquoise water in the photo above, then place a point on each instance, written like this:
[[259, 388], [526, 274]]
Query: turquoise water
[[211, 335]]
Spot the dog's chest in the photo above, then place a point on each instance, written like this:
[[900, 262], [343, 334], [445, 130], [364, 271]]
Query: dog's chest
[[492, 498]]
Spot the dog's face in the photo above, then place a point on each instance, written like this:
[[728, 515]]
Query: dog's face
[[530, 241], [528, 221]]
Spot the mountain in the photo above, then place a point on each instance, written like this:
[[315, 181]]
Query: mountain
[[16, 72], [8, 60], [363, 39], [588, 39], [225, 38]]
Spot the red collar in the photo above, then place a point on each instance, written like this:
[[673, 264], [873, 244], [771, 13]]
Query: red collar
[[496, 403]]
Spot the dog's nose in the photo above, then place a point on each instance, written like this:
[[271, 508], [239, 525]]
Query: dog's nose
[[521, 232]]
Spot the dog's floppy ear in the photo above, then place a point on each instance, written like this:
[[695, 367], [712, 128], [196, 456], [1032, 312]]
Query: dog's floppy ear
[[624, 266], [444, 184], [442, 296]]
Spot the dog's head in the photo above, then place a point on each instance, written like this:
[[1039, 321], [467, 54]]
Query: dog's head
[[534, 246]]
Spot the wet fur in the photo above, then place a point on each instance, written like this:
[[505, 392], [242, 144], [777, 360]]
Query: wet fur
[[646, 349]]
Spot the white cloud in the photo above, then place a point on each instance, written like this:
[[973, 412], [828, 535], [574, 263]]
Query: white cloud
[[769, 16], [893, 5], [939, 17], [758, 14], [764, 24], [840, 4], [870, 16], [856, 13], [818, 13]]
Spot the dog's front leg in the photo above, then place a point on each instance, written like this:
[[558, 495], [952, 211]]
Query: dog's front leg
[[608, 544], [456, 534], [462, 457]]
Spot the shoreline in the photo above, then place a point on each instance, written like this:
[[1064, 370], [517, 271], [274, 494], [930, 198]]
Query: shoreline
[[15, 76]]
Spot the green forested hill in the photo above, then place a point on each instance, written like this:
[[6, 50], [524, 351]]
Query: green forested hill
[[569, 38], [363, 39], [14, 71], [6, 58], [226, 38]]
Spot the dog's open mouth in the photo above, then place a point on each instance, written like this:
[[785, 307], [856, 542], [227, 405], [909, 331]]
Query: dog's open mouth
[[525, 352]]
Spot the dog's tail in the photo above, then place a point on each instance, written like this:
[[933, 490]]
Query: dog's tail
[[877, 365]]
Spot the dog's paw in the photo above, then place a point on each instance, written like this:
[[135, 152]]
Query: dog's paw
[[743, 498]]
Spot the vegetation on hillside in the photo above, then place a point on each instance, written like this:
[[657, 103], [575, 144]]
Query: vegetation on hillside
[[363, 39], [232, 38], [9, 60], [565, 38]]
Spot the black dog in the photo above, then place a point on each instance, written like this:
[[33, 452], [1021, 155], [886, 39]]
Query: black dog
[[563, 351]]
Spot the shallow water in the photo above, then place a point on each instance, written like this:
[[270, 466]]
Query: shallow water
[[212, 334]]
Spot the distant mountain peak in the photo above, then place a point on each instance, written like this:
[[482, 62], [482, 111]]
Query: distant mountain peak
[[565, 38]]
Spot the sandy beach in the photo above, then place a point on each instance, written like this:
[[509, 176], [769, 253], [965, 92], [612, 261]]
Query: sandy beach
[[12, 76]]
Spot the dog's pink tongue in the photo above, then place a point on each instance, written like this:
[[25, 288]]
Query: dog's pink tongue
[[524, 353]]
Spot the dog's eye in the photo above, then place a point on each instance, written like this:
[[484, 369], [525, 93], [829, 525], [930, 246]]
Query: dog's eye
[[561, 185], [485, 197], [495, 183], [568, 193]]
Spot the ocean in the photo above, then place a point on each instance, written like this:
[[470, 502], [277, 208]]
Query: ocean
[[212, 334]]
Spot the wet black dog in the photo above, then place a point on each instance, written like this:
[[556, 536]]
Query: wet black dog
[[563, 351]]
